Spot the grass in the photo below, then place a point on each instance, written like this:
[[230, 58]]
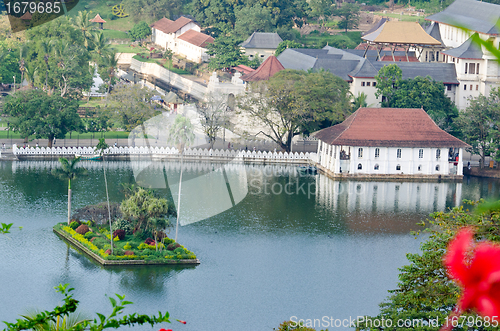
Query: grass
[[341, 40], [125, 48], [133, 245], [115, 34], [419, 19]]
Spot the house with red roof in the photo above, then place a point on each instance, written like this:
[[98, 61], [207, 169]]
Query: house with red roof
[[389, 142], [183, 37]]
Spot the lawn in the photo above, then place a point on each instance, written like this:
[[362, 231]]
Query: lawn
[[115, 34], [126, 48], [341, 40], [419, 19]]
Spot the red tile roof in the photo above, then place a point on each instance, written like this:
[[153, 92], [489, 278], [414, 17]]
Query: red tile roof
[[196, 38], [399, 58], [97, 19], [388, 127], [243, 68], [265, 71], [162, 24], [178, 24]]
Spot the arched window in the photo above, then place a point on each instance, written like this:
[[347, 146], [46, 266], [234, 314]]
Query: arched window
[[376, 167], [360, 166], [398, 167], [419, 167], [437, 167]]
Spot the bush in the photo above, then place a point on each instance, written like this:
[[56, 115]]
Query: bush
[[149, 241], [128, 253], [119, 233], [99, 212], [89, 235], [173, 246], [74, 224], [179, 250], [82, 229], [122, 225]]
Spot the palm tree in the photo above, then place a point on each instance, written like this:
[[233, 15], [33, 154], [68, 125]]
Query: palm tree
[[23, 52], [70, 322], [69, 171], [83, 24], [110, 62], [100, 43], [101, 146], [181, 134]]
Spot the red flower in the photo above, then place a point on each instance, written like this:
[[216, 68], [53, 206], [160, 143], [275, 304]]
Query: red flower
[[165, 330], [180, 321], [478, 274]]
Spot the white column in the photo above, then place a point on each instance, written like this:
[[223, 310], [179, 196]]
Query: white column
[[460, 165]]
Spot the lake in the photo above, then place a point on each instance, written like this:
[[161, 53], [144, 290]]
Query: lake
[[274, 244]]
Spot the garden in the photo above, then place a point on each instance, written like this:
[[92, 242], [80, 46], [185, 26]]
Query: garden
[[135, 231]]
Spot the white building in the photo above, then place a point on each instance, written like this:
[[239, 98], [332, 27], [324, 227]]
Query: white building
[[477, 69], [192, 45], [392, 142], [261, 45], [165, 32]]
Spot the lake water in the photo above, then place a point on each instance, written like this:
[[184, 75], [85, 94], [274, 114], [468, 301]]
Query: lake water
[[284, 245]]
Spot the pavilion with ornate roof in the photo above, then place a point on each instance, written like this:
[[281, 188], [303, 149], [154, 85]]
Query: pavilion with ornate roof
[[98, 19]]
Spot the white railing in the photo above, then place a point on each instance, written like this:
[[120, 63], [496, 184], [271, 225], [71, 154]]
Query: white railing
[[166, 151]]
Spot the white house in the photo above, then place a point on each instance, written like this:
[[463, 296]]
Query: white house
[[261, 45], [394, 142], [192, 45], [477, 69], [165, 32]]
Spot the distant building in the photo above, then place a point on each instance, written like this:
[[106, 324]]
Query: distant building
[[477, 69], [265, 71], [360, 72], [393, 142], [183, 37], [261, 45]]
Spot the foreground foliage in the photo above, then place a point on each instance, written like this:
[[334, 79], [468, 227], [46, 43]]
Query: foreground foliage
[[43, 319], [425, 296]]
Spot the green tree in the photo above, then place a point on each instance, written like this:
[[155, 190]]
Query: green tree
[[349, 16], [321, 9], [479, 124], [225, 53], [69, 171], [424, 291], [181, 134], [252, 19], [130, 106], [419, 92], [9, 59], [140, 31], [287, 44], [293, 102], [36, 113], [152, 10], [142, 207], [82, 23], [214, 12]]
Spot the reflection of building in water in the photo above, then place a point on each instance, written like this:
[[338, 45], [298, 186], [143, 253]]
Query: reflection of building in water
[[394, 197]]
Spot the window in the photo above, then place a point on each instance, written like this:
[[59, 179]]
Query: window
[[477, 68], [360, 166], [262, 56], [471, 87], [375, 83], [448, 87], [465, 87], [360, 152], [466, 68], [419, 167], [362, 83], [420, 153], [376, 167], [398, 167], [437, 56], [398, 153], [377, 152], [367, 83], [477, 87], [472, 68], [437, 167], [438, 154]]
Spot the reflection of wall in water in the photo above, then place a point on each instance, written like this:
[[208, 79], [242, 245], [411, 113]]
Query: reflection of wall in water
[[386, 196]]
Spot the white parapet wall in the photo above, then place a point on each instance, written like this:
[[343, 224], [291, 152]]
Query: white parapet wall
[[167, 152]]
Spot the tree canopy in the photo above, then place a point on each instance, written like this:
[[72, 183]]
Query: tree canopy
[[479, 124], [416, 93], [36, 113], [349, 16], [140, 31], [293, 102]]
